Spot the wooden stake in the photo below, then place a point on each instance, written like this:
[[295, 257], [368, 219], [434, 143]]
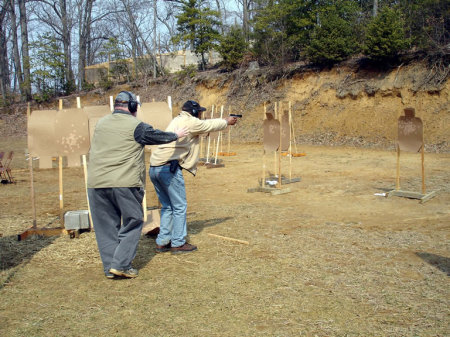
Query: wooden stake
[[144, 199], [61, 199], [397, 184], [60, 163], [290, 141], [292, 129], [220, 136], [423, 168], [111, 103], [275, 169], [279, 148], [229, 133], [169, 102], [85, 183], [209, 138], [30, 165], [263, 181], [229, 239]]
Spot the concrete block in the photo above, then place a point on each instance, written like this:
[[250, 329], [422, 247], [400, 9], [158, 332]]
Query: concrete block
[[74, 220]]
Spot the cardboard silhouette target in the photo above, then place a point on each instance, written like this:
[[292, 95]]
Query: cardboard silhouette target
[[274, 139], [72, 135], [410, 139], [410, 132], [94, 113], [41, 136], [271, 128], [157, 114]]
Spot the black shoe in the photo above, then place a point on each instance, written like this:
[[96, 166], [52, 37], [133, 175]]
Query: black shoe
[[186, 248], [129, 273]]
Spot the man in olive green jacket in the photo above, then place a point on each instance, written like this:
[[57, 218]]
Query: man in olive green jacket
[[116, 178], [166, 163]]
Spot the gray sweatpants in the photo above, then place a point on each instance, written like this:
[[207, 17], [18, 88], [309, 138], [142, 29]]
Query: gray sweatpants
[[118, 218]]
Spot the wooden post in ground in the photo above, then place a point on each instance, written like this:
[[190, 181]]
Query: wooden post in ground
[[209, 138], [30, 166], [397, 180], [263, 181], [290, 141], [218, 139], [144, 199], [61, 192], [85, 175], [423, 168], [279, 147], [229, 133], [275, 152]]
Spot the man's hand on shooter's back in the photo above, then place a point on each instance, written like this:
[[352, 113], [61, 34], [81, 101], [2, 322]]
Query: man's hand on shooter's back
[[182, 132], [231, 120]]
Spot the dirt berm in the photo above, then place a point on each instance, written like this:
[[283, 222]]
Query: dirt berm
[[350, 104]]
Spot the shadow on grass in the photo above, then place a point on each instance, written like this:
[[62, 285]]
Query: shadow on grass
[[440, 262], [197, 226], [147, 245], [14, 253]]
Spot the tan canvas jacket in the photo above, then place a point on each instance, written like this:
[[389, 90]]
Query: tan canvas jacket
[[186, 150]]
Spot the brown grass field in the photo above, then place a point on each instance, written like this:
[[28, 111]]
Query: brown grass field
[[329, 258]]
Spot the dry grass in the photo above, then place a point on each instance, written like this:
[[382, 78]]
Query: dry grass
[[327, 259]]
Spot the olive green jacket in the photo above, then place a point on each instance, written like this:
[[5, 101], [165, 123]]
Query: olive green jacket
[[116, 156]]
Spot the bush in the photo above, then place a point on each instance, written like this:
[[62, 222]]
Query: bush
[[385, 37], [334, 40], [232, 48]]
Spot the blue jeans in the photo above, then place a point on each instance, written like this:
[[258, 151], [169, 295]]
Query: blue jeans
[[172, 195]]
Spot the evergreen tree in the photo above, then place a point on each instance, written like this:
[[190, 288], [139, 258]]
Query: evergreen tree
[[197, 24], [385, 37], [282, 29], [334, 37], [48, 67], [232, 48]]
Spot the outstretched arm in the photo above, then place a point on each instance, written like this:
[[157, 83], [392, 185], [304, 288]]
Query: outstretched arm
[[145, 134]]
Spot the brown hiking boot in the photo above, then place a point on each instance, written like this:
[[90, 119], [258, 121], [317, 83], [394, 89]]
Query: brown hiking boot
[[162, 249], [186, 248]]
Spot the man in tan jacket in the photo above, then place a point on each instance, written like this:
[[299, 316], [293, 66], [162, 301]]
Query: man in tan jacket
[[166, 164]]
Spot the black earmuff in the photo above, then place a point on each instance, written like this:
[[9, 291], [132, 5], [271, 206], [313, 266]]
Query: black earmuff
[[194, 110], [132, 103]]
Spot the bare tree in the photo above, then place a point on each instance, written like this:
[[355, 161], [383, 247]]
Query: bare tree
[[25, 50], [57, 15], [5, 85], [16, 55]]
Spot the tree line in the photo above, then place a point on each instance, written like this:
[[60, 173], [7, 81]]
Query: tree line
[[45, 45]]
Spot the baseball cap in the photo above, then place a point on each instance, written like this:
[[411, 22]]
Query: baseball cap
[[192, 107], [124, 96]]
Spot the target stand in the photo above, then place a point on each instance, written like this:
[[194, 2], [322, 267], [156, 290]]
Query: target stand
[[269, 188], [410, 138], [214, 165]]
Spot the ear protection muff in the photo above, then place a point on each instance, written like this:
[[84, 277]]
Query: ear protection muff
[[132, 103], [194, 111]]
